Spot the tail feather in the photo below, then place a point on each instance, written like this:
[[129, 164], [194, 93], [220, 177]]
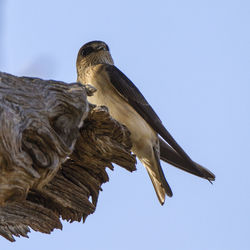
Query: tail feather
[[159, 190], [156, 175], [164, 182], [169, 155]]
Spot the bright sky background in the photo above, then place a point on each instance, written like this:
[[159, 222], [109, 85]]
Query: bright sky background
[[191, 60]]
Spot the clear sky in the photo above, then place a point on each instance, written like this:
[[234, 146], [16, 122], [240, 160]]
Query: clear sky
[[191, 60]]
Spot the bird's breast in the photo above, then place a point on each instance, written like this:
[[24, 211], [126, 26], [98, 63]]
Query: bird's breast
[[122, 111]]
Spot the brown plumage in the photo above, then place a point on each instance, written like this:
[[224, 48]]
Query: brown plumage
[[127, 105]]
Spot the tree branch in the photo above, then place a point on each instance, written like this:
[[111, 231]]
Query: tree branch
[[39, 126]]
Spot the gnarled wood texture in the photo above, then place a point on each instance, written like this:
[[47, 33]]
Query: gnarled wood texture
[[39, 124]]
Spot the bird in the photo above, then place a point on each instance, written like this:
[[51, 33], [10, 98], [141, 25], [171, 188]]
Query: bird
[[151, 141]]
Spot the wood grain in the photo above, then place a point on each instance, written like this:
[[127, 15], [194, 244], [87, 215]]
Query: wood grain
[[54, 151]]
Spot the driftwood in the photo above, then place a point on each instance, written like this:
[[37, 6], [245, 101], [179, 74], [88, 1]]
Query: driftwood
[[54, 149]]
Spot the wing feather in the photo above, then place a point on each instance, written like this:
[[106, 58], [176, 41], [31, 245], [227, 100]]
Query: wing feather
[[134, 97]]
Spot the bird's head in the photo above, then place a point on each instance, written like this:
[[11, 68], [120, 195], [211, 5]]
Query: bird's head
[[93, 53]]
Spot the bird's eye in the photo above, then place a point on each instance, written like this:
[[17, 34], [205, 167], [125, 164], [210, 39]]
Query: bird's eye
[[86, 51]]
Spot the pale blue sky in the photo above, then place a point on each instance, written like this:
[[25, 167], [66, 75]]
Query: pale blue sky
[[191, 60]]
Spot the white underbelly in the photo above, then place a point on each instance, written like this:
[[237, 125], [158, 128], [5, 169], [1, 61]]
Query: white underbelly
[[120, 110]]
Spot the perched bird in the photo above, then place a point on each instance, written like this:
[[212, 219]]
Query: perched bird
[[127, 105]]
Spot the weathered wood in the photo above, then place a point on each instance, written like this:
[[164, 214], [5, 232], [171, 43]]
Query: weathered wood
[[40, 122], [16, 219]]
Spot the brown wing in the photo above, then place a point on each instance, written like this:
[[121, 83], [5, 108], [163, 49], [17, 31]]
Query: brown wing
[[170, 156], [134, 97]]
